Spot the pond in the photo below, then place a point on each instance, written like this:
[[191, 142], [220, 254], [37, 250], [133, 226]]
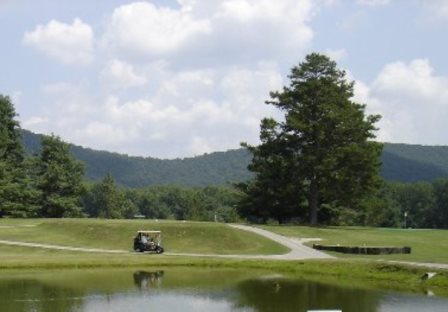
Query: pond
[[181, 289]]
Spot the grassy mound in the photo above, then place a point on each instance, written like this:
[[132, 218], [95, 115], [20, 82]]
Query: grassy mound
[[427, 245], [180, 237]]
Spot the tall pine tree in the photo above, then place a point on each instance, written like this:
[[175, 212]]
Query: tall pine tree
[[16, 194], [323, 147]]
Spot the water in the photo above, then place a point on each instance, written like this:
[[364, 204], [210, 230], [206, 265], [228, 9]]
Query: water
[[179, 289]]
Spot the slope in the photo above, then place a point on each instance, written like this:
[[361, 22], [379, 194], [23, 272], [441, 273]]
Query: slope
[[400, 162]]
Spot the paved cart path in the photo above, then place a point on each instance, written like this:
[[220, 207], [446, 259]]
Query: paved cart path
[[59, 247]]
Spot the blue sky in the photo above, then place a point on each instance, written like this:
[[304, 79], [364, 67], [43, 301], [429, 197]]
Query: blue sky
[[180, 78]]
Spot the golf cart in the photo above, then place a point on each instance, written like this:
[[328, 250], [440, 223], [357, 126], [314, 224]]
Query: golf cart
[[148, 241]]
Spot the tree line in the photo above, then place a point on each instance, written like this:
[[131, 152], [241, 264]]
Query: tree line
[[50, 183]]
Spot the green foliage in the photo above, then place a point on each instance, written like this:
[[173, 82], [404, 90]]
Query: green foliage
[[16, 193], [174, 202], [322, 149], [412, 205], [439, 215], [106, 200], [10, 140], [59, 179]]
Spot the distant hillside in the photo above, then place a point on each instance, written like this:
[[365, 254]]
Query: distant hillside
[[412, 163], [217, 168], [401, 162]]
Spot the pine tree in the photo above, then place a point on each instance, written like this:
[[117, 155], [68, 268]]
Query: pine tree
[[324, 145], [59, 179], [16, 193]]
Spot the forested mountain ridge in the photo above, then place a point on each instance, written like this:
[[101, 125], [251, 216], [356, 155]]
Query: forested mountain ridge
[[412, 163], [401, 162], [218, 168]]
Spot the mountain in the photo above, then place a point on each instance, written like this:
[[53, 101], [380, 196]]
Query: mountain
[[219, 168], [401, 162], [412, 163]]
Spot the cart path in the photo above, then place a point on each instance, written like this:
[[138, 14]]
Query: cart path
[[298, 250], [59, 247]]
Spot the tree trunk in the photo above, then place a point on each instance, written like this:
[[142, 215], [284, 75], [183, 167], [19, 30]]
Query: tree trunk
[[313, 202]]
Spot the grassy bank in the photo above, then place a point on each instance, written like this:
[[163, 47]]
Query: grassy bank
[[211, 238], [364, 274], [427, 245], [179, 237]]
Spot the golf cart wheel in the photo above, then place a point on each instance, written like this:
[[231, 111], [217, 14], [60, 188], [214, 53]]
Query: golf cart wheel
[[159, 250]]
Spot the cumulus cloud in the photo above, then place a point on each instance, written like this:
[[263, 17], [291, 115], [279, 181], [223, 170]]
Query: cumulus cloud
[[412, 100], [204, 31], [144, 28], [177, 81], [70, 44], [119, 74], [191, 113]]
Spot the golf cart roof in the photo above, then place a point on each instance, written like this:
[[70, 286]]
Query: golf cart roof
[[150, 232]]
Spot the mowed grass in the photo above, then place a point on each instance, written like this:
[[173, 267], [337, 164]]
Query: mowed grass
[[427, 245], [178, 237], [365, 274]]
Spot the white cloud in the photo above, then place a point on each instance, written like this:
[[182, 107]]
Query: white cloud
[[373, 3], [436, 8], [204, 70], [336, 54], [412, 100], [354, 21], [70, 44], [120, 74], [191, 112], [204, 31], [35, 122], [144, 28]]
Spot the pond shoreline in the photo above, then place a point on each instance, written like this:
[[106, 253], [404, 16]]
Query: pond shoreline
[[364, 273]]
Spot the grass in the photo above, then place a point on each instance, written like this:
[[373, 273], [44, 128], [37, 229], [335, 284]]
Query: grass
[[179, 237], [364, 274], [198, 237], [427, 245]]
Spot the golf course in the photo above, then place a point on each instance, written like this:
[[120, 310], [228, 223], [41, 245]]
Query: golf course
[[108, 244]]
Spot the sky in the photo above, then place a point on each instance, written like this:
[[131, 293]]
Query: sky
[[174, 79]]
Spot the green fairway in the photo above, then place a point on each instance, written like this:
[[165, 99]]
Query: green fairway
[[180, 237], [427, 245]]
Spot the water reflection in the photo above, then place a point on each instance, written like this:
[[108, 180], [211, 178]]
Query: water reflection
[[148, 280], [193, 290], [280, 294]]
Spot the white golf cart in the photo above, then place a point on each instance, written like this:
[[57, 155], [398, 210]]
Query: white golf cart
[[148, 241]]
